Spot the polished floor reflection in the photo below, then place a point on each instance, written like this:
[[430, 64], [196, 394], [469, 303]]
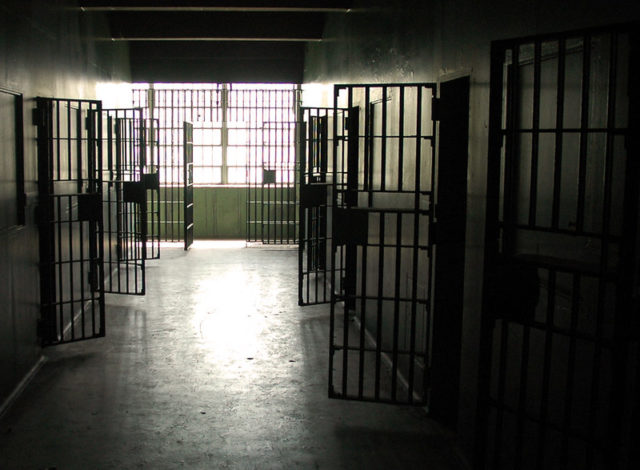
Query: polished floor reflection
[[216, 367]]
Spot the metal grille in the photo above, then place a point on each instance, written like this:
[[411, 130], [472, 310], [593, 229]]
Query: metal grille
[[382, 197], [314, 255], [270, 161], [239, 131], [125, 201], [70, 219], [170, 108], [560, 253], [272, 189]]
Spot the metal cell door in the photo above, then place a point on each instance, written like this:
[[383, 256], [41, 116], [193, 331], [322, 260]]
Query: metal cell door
[[382, 197], [314, 257], [70, 219], [272, 189], [125, 202], [560, 283], [188, 184]]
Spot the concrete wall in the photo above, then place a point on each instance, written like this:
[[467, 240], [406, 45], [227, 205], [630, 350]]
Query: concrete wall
[[435, 40], [45, 50]]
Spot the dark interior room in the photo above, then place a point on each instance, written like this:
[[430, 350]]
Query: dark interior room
[[342, 234]]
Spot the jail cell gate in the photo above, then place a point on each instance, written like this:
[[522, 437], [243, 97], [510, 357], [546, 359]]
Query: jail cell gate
[[315, 146], [382, 197], [70, 219], [125, 187], [272, 184], [557, 344]]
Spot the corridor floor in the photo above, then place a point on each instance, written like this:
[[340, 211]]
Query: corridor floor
[[216, 367]]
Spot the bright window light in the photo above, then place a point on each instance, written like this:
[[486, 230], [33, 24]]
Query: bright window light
[[239, 129]]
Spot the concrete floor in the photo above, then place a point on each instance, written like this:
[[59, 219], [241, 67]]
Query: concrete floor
[[216, 367]]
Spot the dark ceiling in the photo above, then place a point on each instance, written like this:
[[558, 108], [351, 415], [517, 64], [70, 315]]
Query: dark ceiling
[[216, 41]]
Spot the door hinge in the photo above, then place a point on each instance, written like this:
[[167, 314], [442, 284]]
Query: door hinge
[[435, 109], [37, 116], [433, 233]]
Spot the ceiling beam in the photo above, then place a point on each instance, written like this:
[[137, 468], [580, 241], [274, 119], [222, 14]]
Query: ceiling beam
[[207, 26], [214, 5]]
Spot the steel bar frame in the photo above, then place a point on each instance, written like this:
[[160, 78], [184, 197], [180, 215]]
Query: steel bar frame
[[69, 133], [167, 109], [125, 204], [555, 372], [315, 165], [271, 170], [239, 131], [382, 197]]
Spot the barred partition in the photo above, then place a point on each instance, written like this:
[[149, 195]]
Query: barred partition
[[70, 219], [240, 134], [315, 151], [382, 204]]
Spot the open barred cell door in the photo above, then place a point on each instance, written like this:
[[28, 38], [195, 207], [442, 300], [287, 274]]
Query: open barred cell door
[[559, 340], [70, 219], [272, 186], [381, 246], [188, 184], [125, 187], [316, 175]]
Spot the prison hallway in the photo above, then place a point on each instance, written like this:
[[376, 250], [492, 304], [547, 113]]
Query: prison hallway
[[215, 367]]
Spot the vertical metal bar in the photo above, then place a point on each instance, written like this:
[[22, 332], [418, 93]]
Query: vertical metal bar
[[570, 384], [367, 141], [57, 258], [283, 153], [557, 165], [379, 311], [334, 248], [416, 241], [546, 370], [604, 266], [584, 134], [71, 277], [396, 306], [109, 201], [535, 135], [512, 163], [363, 320], [522, 398], [502, 367], [401, 142], [97, 149], [351, 247], [79, 162], [491, 252], [623, 307], [302, 142], [431, 221], [383, 142]]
